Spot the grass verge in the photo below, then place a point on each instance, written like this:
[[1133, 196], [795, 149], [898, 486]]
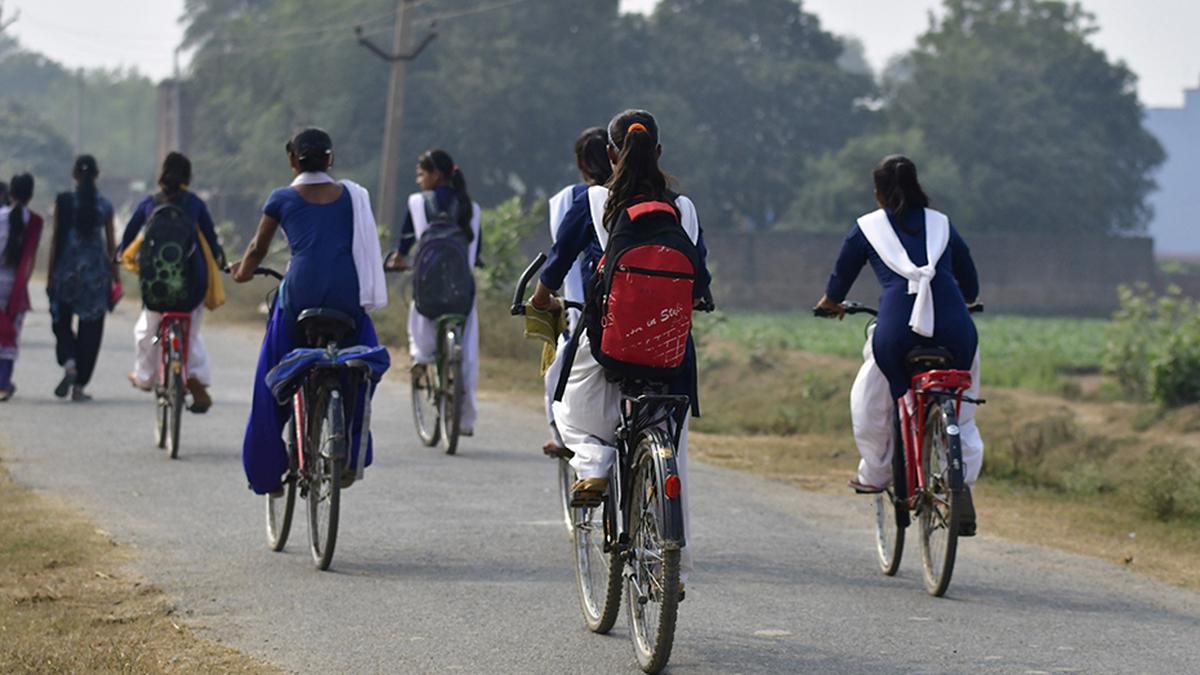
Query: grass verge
[[68, 603]]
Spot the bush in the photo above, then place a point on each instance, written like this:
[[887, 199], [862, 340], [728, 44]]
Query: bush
[[1153, 347], [1166, 484]]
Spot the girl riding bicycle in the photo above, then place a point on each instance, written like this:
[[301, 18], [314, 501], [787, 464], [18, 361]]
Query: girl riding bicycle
[[174, 179], [443, 188], [588, 414], [571, 230], [335, 264], [928, 280]]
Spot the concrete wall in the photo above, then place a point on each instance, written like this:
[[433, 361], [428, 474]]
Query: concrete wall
[[1176, 223], [1021, 274]]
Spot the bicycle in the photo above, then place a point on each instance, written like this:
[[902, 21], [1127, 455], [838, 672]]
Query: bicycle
[[927, 465], [323, 388], [636, 535], [171, 388]]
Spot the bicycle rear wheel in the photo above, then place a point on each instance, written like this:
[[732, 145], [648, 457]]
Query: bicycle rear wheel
[[425, 406], [597, 567], [327, 447], [175, 395], [452, 388], [652, 590], [939, 505]]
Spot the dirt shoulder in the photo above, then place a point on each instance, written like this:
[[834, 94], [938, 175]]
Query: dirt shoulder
[[70, 604]]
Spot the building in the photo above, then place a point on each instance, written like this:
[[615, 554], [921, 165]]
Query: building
[[1176, 223]]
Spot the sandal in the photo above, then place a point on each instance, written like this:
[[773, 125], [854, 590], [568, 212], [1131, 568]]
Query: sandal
[[64, 385], [865, 488], [588, 492], [6, 394]]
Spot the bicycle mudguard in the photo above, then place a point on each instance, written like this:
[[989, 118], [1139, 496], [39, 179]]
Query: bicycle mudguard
[[334, 447], [954, 441], [666, 465]]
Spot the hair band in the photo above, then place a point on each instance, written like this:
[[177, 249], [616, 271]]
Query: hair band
[[636, 126]]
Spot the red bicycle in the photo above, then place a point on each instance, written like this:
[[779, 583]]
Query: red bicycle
[[171, 388], [927, 465]]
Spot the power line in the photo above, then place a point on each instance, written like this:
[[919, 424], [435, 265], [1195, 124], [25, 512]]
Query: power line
[[475, 10]]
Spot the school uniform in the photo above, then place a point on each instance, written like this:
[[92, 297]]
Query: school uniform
[[422, 330], [928, 279], [570, 231], [588, 414]]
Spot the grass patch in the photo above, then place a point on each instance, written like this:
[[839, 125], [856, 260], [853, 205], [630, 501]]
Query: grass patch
[[1042, 354], [68, 604]]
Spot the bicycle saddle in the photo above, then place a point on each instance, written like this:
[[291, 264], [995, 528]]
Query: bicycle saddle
[[322, 326], [925, 359]]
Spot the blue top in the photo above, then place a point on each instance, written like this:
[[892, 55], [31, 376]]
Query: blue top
[[576, 235], [321, 238], [197, 212], [955, 285], [82, 270]]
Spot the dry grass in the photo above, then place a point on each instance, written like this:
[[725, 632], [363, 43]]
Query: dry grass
[[68, 603]]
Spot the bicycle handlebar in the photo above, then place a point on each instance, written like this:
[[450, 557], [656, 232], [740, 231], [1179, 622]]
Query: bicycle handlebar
[[859, 308], [518, 302], [260, 272]]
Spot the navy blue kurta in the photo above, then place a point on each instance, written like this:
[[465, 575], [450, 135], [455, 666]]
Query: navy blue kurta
[[955, 285]]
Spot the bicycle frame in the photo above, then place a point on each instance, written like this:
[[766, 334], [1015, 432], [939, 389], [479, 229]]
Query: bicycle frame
[[168, 343], [639, 412], [928, 389]]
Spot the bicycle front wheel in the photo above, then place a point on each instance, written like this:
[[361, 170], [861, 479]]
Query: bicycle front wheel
[[889, 537], [566, 478], [597, 566], [652, 590], [327, 448], [279, 515], [425, 406], [162, 415], [452, 389], [941, 457]]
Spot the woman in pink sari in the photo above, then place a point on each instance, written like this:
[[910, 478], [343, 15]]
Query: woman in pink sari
[[20, 230]]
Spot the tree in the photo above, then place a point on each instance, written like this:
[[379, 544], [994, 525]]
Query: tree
[[1046, 130], [837, 187], [31, 145]]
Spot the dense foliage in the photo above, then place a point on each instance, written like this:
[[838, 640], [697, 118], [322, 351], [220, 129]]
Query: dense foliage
[[1044, 131], [1153, 346]]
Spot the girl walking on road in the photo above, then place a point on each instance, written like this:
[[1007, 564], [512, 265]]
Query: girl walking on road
[[336, 264], [82, 276], [20, 231], [174, 179]]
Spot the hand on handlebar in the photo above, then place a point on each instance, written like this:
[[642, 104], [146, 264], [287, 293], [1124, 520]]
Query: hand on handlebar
[[828, 309]]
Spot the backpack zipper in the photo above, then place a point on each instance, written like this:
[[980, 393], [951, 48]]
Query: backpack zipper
[[655, 273]]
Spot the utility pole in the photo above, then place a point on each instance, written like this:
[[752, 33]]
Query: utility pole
[[79, 95], [389, 165]]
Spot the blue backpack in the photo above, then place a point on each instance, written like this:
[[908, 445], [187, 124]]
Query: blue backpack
[[443, 282]]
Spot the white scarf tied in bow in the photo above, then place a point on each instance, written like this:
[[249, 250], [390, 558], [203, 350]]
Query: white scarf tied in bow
[[368, 258], [878, 230]]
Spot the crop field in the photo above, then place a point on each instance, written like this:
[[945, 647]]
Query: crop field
[[1027, 352]]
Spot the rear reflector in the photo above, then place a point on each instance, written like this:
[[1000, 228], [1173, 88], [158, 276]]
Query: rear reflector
[[673, 487]]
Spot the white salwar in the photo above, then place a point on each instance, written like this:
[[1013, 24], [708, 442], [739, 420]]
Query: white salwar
[[588, 414], [422, 331], [147, 360], [872, 409], [572, 290]]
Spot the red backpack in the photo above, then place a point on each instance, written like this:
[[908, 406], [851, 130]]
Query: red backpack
[[640, 301]]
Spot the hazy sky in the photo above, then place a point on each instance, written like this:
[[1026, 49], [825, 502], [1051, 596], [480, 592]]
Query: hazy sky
[[1157, 38]]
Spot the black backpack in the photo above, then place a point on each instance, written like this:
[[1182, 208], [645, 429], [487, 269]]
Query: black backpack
[[638, 314], [442, 279], [168, 258]]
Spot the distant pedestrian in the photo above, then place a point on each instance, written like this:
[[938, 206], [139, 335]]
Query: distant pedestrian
[[20, 231], [82, 274]]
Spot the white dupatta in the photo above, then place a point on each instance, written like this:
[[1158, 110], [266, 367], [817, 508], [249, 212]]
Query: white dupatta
[[368, 258], [878, 230]]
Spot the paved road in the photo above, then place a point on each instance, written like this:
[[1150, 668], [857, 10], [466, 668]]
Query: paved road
[[460, 563]]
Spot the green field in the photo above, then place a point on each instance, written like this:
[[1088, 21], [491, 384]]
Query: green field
[[1029, 352]]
